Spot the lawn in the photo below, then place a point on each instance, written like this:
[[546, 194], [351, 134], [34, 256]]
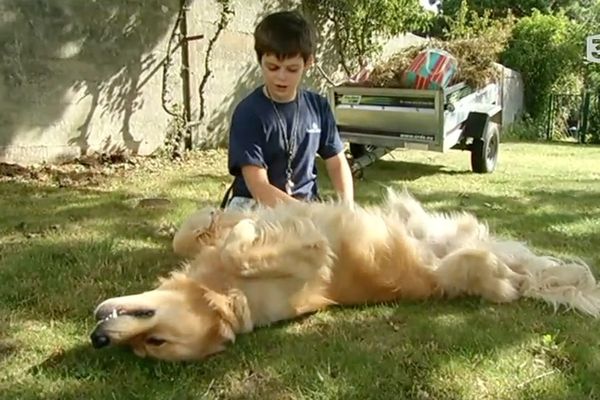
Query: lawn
[[67, 242]]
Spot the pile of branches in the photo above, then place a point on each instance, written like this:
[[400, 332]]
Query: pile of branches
[[476, 62]]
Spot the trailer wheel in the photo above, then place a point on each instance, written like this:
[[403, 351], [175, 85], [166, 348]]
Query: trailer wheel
[[358, 150], [484, 151]]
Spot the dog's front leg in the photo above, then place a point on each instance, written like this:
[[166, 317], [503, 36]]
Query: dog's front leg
[[247, 256], [241, 237], [290, 248]]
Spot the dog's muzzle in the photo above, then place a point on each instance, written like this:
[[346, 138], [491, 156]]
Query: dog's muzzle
[[104, 315]]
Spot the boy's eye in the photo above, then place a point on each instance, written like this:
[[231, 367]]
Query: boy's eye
[[289, 69]]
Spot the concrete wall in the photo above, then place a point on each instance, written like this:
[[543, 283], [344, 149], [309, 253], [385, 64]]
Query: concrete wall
[[78, 77], [233, 66], [513, 90], [86, 76]]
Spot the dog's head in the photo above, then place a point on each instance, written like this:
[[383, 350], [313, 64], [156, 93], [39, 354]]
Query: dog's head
[[180, 320]]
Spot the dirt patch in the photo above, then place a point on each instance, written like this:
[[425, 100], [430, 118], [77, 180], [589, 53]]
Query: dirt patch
[[88, 171], [7, 348], [153, 202], [84, 171]]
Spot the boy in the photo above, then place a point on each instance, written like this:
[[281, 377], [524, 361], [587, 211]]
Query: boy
[[278, 129]]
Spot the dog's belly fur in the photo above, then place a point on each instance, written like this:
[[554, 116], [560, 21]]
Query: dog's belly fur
[[356, 282], [270, 301], [380, 254], [383, 266]]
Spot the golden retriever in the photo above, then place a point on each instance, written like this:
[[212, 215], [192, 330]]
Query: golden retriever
[[250, 269]]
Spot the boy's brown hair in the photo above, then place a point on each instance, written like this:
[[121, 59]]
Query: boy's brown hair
[[284, 34]]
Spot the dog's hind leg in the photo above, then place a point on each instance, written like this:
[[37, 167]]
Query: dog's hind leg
[[478, 272]]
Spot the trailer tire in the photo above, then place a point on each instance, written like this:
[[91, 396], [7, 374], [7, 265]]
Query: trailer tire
[[358, 150], [484, 151]]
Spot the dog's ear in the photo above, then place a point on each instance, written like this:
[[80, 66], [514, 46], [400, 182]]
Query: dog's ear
[[233, 310]]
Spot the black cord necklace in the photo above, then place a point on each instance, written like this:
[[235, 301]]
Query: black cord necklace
[[289, 142]]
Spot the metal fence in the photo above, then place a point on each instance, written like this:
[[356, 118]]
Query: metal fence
[[575, 116]]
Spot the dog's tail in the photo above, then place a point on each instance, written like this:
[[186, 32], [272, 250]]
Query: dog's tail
[[555, 281], [403, 204], [477, 272]]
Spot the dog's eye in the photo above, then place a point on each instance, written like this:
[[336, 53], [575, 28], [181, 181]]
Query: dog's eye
[[154, 341]]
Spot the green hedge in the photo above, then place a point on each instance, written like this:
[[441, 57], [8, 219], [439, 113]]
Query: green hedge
[[547, 50]]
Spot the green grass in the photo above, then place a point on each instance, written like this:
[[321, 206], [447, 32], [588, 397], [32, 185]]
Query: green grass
[[64, 248]]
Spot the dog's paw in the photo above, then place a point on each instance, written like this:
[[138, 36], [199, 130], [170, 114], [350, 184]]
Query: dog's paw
[[202, 235], [243, 234]]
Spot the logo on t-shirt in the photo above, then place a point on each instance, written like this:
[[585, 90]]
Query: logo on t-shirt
[[314, 128]]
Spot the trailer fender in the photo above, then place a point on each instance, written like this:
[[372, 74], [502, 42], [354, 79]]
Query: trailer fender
[[478, 120]]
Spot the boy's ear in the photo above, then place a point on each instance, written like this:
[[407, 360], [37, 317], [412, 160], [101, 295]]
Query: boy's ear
[[309, 62]]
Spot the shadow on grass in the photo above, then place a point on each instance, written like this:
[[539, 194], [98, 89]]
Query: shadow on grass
[[542, 219], [40, 204], [395, 169], [377, 352], [66, 280], [64, 249], [394, 351], [29, 208]]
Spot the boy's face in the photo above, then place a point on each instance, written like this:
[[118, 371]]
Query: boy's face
[[282, 76]]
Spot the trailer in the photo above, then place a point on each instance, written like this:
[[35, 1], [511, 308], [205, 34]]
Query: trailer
[[375, 121]]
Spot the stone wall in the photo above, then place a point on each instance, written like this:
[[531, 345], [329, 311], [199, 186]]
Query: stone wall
[[87, 76]]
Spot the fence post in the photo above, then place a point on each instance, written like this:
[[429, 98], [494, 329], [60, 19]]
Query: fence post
[[549, 117], [585, 118]]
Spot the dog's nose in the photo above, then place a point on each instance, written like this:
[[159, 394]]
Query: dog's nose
[[99, 339]]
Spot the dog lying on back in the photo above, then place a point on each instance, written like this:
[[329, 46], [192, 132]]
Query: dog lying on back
[[250, 269]]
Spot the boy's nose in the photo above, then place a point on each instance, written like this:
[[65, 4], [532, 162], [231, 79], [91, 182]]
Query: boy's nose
[[280, 75]]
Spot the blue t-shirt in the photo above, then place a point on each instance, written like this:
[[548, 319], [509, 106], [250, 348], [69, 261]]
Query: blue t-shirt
[[256, 138]]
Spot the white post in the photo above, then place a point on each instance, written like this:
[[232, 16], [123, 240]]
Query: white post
[[592, 53]]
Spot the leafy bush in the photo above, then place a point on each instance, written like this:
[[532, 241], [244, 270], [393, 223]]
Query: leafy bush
[[594, 119], [547, 50], [520, 8], [527, 130], [468, 24], [358, 27]]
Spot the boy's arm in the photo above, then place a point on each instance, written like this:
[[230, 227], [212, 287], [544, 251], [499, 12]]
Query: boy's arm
[[246, 144], [331, 149], [262, 191], [341, 177]]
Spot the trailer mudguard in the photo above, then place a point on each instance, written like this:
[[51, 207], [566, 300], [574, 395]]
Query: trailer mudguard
[[479, 117]]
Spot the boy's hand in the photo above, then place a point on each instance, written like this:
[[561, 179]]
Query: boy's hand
[[262, 191]]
